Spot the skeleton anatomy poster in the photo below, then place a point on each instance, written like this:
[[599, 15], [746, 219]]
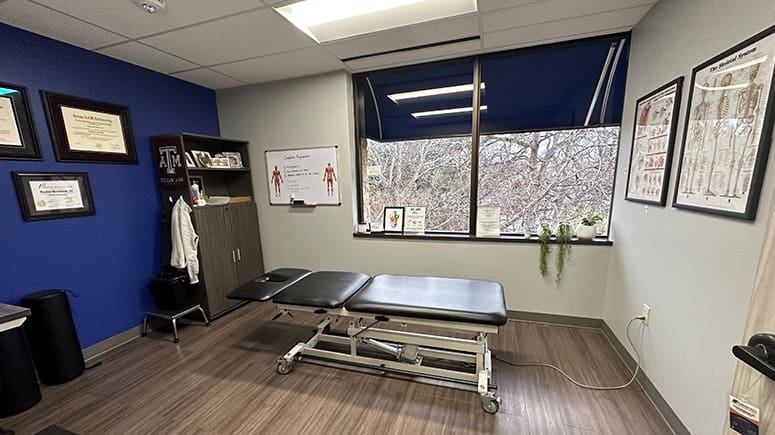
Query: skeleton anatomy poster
[[653, 135], [728, 130]]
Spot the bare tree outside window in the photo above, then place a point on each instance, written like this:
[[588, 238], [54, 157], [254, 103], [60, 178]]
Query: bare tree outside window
[[548, 176], [432, 173], [534, 177]]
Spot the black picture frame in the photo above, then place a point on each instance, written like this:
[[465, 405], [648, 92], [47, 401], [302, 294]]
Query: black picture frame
[[386, 227], [53, 104], [20, 105], [32, 211], [665, 155], [748, 212]]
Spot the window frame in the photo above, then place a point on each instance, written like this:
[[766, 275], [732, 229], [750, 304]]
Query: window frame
[[359, 95]]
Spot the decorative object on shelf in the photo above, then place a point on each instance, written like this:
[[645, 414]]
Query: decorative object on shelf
[[415, 220], [190, 161], [544, 237], [235, 159], [198, 196], [17, 131], [310, 173], [393, 221], [488, 222], [203, 158], [564, 236], [728, 130], [53, 195], [653, 137], [587, 229], [89, 131], [219, 162]]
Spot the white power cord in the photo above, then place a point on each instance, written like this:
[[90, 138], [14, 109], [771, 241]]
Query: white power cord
[[593, 387]]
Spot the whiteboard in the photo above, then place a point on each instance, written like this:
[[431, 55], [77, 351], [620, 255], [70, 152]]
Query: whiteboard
[[309, 174]]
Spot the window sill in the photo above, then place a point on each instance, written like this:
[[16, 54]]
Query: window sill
[[597, 241]]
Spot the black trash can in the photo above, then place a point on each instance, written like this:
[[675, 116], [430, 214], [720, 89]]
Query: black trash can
[[52, 336], [171, 290], [19, 390]]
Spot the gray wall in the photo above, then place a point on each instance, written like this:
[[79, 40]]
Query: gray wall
[[695, 270], [317, 111]]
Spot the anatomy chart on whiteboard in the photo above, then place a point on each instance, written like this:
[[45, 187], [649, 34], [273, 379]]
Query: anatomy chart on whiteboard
[[309, 174]]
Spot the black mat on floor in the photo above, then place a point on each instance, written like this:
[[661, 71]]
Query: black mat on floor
[[55, 430]]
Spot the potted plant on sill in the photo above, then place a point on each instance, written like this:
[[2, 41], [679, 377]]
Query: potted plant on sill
[[587, 230], [563, 240]]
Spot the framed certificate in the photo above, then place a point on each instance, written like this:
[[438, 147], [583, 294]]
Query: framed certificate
[[17, 132], [53, 195], [88, 131]]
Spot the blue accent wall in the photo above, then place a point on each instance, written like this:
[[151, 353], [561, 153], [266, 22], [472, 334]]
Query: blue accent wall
[[109, 257]]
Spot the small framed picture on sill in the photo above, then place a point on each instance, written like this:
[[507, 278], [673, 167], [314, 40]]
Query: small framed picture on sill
[[393, 221]]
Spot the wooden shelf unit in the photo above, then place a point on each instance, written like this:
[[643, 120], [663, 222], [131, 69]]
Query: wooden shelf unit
[[229, 243]]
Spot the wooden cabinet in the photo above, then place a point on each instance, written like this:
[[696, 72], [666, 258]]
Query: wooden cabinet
[[229, 251], [229, 241]]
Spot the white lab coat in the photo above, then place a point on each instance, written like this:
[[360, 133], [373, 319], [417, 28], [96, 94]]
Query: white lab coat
[[184, 241]]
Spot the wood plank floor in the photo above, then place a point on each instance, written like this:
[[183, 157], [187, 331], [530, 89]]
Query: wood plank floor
[[222, 380]]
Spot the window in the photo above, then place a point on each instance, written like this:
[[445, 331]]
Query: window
[[537, 131]]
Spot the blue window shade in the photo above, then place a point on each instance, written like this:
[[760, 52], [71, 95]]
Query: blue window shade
[[538, 88], [395, 119]]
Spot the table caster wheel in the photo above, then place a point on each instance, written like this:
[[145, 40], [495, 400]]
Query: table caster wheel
[[177, 340], [491, 403], [284, 367]]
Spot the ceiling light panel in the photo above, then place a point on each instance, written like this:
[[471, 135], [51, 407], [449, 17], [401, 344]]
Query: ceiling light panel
[[330, 20]]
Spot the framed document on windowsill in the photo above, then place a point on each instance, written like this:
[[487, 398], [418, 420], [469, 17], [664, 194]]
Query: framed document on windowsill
[[53, 195], [17, 133], [89, 131]]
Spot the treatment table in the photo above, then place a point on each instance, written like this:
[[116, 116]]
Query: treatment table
[[471, 307]]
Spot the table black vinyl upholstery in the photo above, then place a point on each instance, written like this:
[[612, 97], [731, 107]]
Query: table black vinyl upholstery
[[322, 289], [450, 299], [268, 285]]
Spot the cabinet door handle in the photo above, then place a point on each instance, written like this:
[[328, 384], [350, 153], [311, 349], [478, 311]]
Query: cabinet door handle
[[233, 256], [239, 255]]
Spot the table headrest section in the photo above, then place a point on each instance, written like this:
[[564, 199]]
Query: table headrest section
[[425, 297], [323, 289], [267, 285]]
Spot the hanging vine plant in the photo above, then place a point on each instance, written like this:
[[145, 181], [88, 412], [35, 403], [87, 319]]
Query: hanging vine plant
[[564, 235], [544, 236]]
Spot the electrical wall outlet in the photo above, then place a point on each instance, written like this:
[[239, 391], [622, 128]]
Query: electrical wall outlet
[[646, 313]]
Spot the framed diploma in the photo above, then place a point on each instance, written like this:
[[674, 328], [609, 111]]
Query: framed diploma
[[653, 137], [53, 195], [17, 132], [88, 131]]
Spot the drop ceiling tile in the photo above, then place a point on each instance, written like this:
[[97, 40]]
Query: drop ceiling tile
[[125, 18], [552, 10], [148, 57], [208, 78], [608, 21], [411, 36], [304, 62], [248, 35], [44, 21], [447, 51], [491, 5]]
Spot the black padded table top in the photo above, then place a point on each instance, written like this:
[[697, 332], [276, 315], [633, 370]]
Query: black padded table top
[[322, 289], [450, 299], [267, 285]]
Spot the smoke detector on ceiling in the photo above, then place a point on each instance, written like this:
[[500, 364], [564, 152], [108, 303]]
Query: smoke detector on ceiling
[[151, 6]]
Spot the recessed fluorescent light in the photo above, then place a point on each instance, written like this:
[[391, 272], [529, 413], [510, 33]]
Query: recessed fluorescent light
[[433, 92], [447, 112], [329, 20], [4, 91]]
